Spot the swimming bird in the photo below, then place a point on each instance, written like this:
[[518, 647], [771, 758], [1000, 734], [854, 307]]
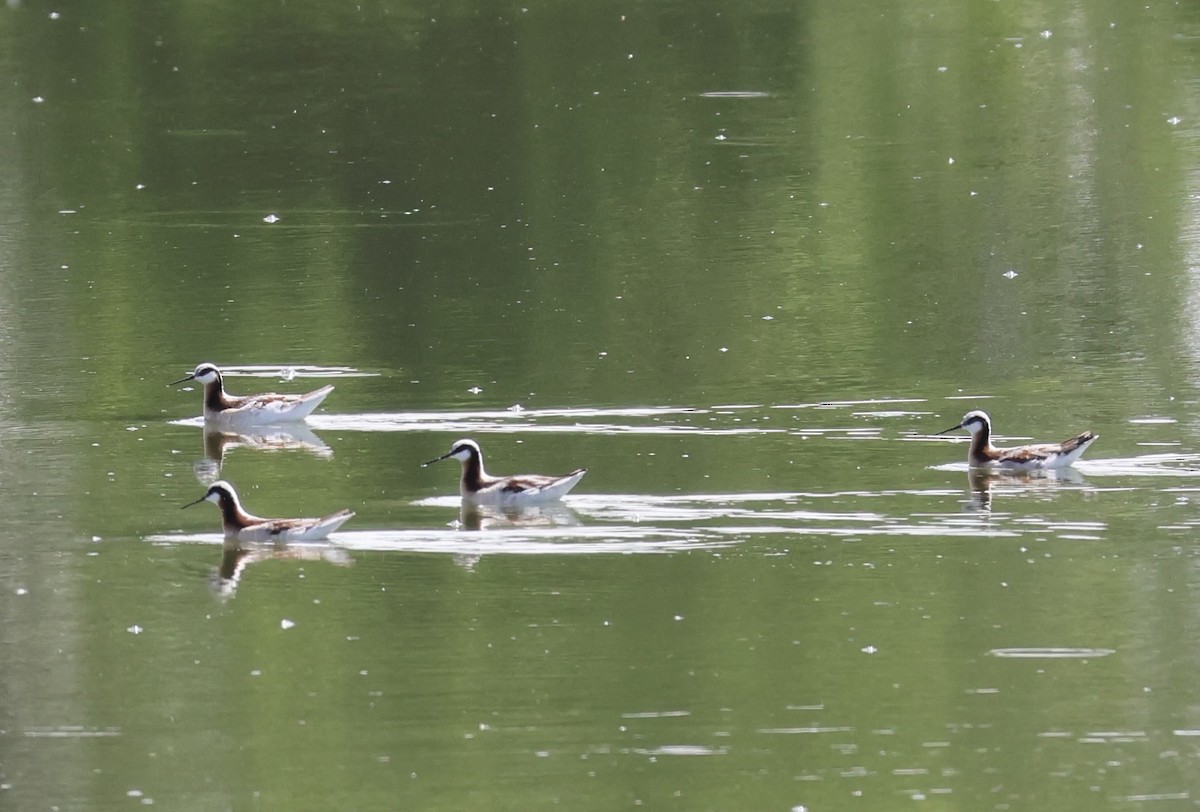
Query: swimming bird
[[1024, 457], [222, 407], [242, 526], [480, 488]]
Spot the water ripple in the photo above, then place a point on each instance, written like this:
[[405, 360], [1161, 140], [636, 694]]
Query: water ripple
[[1051, 653], [584, 540], [665, 420]]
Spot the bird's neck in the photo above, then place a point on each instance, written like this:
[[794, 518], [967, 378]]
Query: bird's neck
[[981, 443], [215, 398], [473, 475]]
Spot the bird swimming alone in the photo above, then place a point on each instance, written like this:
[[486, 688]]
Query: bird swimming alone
[[220, 406], [480, 488], [242, 526], [1021, 458]]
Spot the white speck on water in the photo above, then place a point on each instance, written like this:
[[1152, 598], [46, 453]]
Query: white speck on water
[[134, 793], [724, 349], [951, 161], [140, 186], [474, 390], [54, 15], [720, 137], [942, 68], [1010, 274], [1173, 120], [1047, 34], [271, 218], [257, 672], [516, 407], [679, 617], [768, 318], [287, 374], [96, 538], [135, 629], [287, 624], [38, 100], [868, 650], [22, 590]]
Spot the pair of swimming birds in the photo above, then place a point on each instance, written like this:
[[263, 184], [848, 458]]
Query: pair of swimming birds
[[478, 487]]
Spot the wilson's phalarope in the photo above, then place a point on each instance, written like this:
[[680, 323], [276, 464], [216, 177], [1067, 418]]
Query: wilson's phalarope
[[220, 406], [478, 487], [1026, 457], [242, 526]]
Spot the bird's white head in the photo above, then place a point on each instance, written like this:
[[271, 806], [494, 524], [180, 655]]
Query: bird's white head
[[220, 490], [206, 373], [973, 421], [219, 493], [462, 450], [465, 449]]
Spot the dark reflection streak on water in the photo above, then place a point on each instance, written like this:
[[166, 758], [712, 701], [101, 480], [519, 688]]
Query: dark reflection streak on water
[[304, 228]]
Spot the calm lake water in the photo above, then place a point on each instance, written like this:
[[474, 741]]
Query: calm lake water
[[742, 261]]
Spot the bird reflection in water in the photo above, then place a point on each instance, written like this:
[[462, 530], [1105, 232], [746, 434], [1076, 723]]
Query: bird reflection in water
[[237, 556], [982, 481], [512, 517], [501, 518], [218, 442]]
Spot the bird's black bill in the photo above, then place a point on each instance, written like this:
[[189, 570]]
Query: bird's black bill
[[189, 504], [191, 377], [952, 428], [439, 459]]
